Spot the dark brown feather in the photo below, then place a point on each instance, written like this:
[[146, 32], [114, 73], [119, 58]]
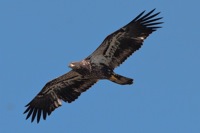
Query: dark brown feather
[[118, 46], [66, 87]]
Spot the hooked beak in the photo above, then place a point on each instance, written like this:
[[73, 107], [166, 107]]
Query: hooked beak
[[71, 65]]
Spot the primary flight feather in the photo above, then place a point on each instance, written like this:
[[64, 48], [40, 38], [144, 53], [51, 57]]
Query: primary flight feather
[[113, 51]]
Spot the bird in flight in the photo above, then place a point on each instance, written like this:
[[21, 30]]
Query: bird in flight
[[112, 52]]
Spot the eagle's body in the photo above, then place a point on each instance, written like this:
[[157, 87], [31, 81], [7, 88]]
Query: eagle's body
[[113, 51], [98, 71]]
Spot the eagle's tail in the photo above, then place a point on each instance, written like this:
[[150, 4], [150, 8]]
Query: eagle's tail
[[120, 79]]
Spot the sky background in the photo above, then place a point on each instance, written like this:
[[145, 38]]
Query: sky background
[[39, 38]]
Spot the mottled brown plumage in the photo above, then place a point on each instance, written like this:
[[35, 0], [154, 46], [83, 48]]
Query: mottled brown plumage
[[113, 51]]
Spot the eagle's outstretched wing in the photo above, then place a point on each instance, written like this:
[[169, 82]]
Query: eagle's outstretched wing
[[66, 87], [118, 46]]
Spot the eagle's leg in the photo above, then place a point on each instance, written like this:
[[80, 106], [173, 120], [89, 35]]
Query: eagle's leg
[[120, 79]]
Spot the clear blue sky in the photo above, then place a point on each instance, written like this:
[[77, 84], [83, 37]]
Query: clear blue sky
[[39, 38]]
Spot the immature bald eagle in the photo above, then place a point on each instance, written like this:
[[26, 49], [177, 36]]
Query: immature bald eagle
[[113, 51]]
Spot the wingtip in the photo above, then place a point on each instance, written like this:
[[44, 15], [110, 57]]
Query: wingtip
[[27, 105], [153, 9]]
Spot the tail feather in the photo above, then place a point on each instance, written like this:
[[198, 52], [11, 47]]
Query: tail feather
[[120, 79]]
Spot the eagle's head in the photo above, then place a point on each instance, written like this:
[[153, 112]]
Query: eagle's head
[[80, 66], [75, 65]]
